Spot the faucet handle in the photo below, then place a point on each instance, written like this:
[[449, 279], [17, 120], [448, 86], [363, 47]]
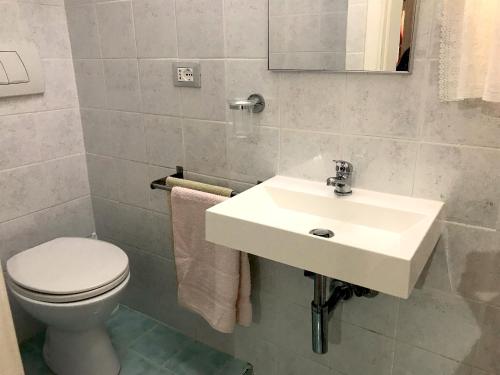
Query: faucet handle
[[343, 167]]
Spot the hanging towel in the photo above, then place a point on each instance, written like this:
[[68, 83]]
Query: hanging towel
[[212, 280], [10, 359], [470, 50], [207, 188]]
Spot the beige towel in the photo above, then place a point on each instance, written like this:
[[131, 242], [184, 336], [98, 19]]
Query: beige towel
[[10, 359], [207, 188], [213, 281]]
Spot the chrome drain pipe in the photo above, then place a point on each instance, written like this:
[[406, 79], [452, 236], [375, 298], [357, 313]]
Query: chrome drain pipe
[[319, 315], [326, 297]]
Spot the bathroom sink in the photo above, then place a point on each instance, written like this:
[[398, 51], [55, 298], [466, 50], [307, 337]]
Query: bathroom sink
[[381, 241]]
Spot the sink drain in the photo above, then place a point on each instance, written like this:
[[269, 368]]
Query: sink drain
[[320, 232]]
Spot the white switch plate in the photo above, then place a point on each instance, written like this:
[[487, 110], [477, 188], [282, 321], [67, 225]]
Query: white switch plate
[[186, 74]]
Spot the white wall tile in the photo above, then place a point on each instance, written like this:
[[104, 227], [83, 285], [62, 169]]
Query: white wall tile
[[133, 183], [385, 105], [200, 28], [205, 147], [48, 28], [103, 176], [91, 85], [474, 258], [164, 140], [116, 29], [308, 155], [377, 314], [19, 141], [209, 101], [305, 104], [429, 320], [127, 132], [487, 350], [447, 173], [155, 28], [122, 84], [83, 31], [381, 164], [246, 28], [159, 96], [357, 351], [253, 158], [60, 133]]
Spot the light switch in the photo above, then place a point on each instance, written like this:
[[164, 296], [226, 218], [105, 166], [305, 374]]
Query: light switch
[[3, 76], [14, 67]]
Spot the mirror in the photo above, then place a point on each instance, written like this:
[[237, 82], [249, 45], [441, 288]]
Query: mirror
[[341, 35]]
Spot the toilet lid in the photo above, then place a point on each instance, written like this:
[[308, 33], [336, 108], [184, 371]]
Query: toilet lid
[[68, 266]]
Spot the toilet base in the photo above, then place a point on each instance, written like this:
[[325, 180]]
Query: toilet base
[[80, 352]]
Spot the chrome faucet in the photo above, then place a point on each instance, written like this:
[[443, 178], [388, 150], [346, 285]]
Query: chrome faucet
[[343, 178]]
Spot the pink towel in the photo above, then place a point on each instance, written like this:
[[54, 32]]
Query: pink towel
[[213, 280]]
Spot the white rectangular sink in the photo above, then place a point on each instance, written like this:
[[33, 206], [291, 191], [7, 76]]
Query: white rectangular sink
[[381, 241]]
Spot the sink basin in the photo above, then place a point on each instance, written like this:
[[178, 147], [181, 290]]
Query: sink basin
[[381, 241]]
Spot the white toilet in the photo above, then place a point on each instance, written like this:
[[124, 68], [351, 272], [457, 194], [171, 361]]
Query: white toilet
[[72, 285]]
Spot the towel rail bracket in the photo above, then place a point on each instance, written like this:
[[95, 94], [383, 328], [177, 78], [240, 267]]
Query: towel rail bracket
[[161, 183]]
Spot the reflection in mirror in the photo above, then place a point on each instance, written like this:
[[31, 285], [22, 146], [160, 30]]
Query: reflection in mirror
[[341, 35]]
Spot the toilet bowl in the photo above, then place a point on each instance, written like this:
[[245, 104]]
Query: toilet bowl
[[72, 285]]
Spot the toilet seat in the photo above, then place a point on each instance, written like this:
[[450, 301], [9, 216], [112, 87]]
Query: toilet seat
[[67, 298], [67, 270]]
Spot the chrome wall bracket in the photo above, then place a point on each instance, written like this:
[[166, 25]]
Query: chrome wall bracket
[[255, 103]]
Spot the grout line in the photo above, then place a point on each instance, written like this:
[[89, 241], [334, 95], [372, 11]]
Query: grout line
[[396, 324], [38, 111], [46, 208], [42, 162]]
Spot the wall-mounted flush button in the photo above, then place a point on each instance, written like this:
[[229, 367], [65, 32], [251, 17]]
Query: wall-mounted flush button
[[3, 76], [14, 67]]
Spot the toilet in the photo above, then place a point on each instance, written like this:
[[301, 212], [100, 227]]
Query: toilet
[[72, 285]]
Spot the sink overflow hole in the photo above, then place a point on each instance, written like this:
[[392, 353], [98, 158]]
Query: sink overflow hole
[[325, 233]]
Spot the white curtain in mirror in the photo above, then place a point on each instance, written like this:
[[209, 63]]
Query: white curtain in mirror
[[470, 50]]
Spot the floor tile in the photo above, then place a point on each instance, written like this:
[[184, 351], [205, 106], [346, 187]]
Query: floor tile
[[127, 325], [198, 359], [33, 362], [235, 367], [160, 344], [147, 347], [134, 364]]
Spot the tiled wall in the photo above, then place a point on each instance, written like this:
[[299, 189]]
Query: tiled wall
[[44, 189], [401, 139]]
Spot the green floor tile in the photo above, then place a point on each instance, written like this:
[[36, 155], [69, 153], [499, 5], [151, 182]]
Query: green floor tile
[[198, 359], [146, 347], [235, 367], [160, 344], [33, 362], [134, 364], [127, 325]]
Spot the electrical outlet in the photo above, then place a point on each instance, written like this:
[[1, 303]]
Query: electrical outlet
[[186, 74]]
